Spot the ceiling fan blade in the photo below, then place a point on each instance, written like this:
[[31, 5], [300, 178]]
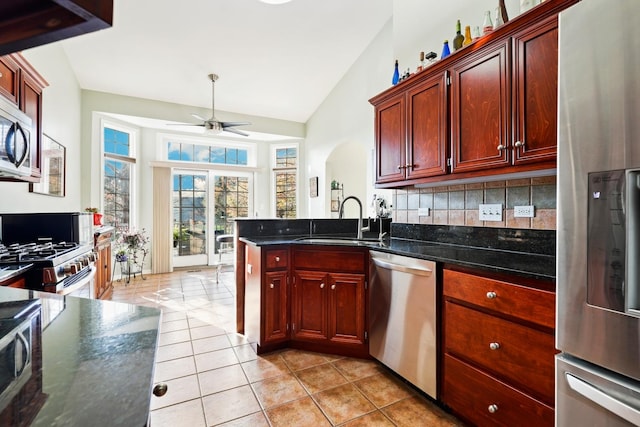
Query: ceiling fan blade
[[185, 124], [236, 131], [199, 117], [229, 124]]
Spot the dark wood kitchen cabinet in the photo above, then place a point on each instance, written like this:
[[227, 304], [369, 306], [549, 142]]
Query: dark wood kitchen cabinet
[[267, 296], [411, 134], [498, 350], [102, 245], [29, 23], [488, 109], [328, 299], [22, 85]]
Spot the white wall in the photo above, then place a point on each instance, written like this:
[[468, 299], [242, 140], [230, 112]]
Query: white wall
[[61, 121]]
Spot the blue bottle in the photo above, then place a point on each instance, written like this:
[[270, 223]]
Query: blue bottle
[[396, 74], [445, 50]]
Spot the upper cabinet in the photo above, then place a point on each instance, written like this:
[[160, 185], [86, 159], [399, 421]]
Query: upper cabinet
[[22, 85], [29, 23], [488, 109]]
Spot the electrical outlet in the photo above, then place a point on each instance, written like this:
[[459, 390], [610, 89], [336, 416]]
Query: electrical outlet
[[424, 211], [523, 211], [492, 212]]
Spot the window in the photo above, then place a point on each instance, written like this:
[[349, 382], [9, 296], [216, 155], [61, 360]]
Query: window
[[231, 201], [188, 152], [285, 175], [118, 146]]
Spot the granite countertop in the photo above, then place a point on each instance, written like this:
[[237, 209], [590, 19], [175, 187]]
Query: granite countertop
[[531, 265], [97, 361]]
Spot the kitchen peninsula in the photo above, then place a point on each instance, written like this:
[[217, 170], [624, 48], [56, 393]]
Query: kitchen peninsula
[[91, 363]]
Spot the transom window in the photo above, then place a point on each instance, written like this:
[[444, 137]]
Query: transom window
[[188, 152]]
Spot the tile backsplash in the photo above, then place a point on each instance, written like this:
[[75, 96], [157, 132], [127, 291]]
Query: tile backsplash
[[458, 204]]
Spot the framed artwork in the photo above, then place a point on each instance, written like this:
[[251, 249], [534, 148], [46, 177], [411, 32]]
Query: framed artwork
[[53, 169], [313, 186]]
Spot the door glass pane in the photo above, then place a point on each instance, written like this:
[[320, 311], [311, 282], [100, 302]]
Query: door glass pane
[[189, 201]]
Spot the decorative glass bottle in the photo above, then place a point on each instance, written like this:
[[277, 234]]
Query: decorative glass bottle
[[498, 21], [445, 50], [467, 36], [487, 25], [420, 66], [459, 38], [396, 74]]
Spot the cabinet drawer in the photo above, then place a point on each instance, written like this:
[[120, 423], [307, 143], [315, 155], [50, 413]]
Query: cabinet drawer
[[520, 355], [532, 305], [9, 79], [471, 393], [276, 259], [331, 259]]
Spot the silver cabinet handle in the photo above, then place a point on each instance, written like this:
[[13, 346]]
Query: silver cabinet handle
[[501, 147], [493, 408], [333, 287], [600, 398], [277, 259], [321, 285], [494, 345], [491, 295], [519, 144], [271, 285]]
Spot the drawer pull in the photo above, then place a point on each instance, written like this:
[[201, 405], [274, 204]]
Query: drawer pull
[[321, 285], [519, 144], [277, 259], [271, 285], [494, 346], [501, 147], [333, 287], [491, 295], [493, 408]]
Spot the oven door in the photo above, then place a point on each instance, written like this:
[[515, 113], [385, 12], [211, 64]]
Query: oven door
[[79, 285]]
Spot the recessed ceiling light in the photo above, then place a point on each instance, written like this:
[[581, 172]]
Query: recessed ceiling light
[[275, 1]]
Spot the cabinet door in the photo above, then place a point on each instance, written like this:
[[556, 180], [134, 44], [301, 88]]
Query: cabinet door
[[310, 305], [535, 92], [275, 306], [346, 308], [390, 140], [480, 110], [427, 127], [9, 79]]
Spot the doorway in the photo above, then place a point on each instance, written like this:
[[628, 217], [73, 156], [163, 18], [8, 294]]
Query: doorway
[[205, 205]]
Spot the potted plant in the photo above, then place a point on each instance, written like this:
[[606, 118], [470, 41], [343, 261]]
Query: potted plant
[[97, 217]]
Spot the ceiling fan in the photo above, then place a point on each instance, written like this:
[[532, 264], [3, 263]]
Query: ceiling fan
[[213, 125]]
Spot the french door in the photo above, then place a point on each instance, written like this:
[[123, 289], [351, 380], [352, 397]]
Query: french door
[[205, 205]]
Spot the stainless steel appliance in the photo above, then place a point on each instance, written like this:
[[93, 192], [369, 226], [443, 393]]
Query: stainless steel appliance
[[16, 344], [58, 245], [598, 228], [402, 317], [15, 132]]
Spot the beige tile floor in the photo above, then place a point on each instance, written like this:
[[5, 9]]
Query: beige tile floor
[[215, 377]]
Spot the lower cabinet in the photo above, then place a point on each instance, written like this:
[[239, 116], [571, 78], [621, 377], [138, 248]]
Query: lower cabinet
[[306, 297], [499, 347], [103, 282]]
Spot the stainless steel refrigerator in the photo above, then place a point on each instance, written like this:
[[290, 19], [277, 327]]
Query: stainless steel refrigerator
[[598, 228]]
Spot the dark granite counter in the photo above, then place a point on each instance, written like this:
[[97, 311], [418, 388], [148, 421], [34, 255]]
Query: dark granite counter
[[92, 365], [526, 253]]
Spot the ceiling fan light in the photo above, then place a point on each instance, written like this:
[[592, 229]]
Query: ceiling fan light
[[275, 1]]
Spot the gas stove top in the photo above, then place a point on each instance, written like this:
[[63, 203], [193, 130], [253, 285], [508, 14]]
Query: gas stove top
[[40, 253]]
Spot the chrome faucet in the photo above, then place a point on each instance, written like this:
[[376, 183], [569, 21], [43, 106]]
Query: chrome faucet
[[341, 214]]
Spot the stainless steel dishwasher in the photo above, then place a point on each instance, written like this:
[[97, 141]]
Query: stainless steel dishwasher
[[402, 317]]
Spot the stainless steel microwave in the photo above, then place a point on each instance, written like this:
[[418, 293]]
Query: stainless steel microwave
[[15, 148]]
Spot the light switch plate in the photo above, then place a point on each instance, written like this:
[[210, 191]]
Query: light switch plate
[[424, 211], [490, 212], [523, 211]]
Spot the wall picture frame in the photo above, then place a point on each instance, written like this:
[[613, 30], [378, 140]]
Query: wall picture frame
[[313, 187], [54, 168]]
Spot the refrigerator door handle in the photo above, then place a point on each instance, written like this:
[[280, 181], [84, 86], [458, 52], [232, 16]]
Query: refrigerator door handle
[[602, 399], [632, 206]]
